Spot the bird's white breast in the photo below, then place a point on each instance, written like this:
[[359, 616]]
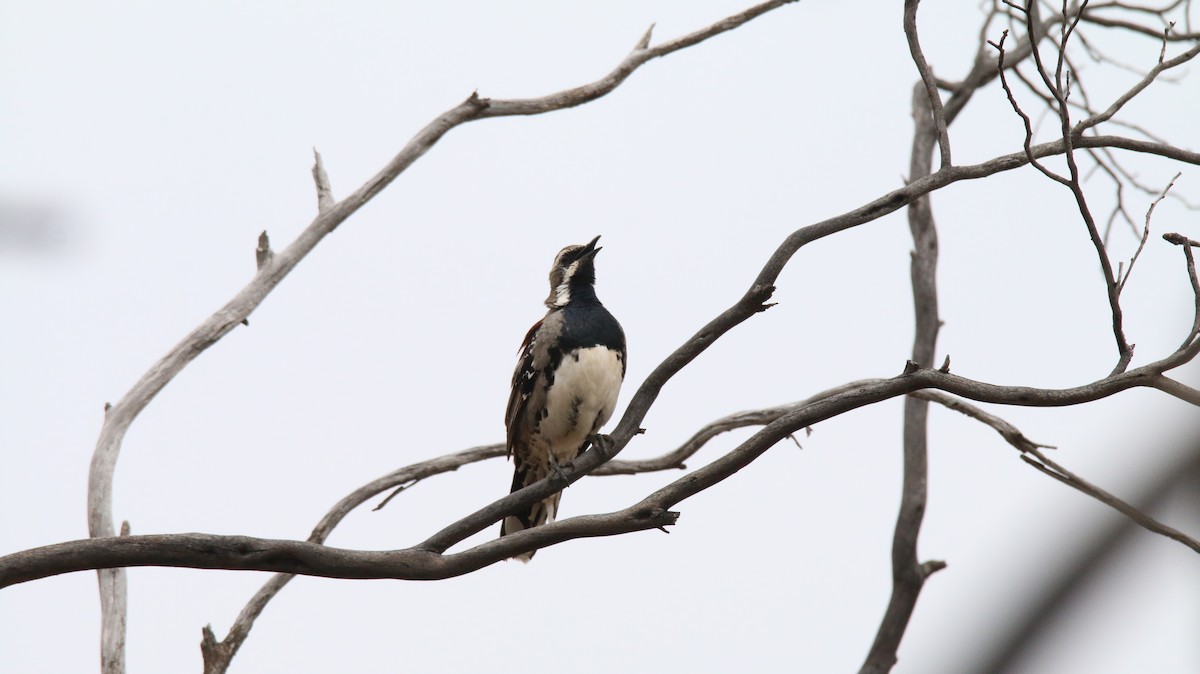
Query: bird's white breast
[[581, 399]]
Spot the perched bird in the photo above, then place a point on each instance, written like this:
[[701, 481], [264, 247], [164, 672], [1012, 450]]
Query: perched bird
[[566, 382]]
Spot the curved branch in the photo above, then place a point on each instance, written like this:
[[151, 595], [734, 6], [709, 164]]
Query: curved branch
[[273, 268], [218, 654], [754, 302], [1158, 69], [1090, 16], [236, 311], [927, 79], [206, 551], [875, 209]]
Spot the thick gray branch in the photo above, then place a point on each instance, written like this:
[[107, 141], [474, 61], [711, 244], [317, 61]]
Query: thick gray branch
[[908, 572], [206, 551]]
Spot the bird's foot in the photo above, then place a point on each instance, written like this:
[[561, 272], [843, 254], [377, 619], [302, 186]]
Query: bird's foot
[[602, 442], [556, 469]]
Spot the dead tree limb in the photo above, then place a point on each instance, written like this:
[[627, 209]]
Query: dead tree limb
[[425, 562], [273, 268]]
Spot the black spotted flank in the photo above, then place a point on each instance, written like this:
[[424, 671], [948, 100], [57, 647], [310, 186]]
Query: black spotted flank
[[573, 414]]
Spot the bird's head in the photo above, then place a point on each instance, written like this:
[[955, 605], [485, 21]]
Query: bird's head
[[573, 271]]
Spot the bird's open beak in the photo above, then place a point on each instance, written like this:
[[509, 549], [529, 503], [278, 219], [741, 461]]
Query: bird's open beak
[[591, 248]]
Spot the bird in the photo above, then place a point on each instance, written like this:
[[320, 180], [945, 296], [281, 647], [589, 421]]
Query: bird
[[565, 386]]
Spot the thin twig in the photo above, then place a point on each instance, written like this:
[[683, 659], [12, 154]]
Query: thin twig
[[1115, 107], [1085, 564], [1061, 92], [1009, 432], [1028, 144], [1056, 471], [1145, 233], [1188, 244], [1093, 18]]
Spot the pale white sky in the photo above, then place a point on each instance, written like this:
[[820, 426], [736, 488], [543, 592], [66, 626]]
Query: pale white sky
[[166, 137]]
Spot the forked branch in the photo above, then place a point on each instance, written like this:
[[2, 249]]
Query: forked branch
[[273, 268], [420, 563]]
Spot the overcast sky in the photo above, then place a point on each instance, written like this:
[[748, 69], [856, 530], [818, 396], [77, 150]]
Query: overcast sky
[[145, 146]]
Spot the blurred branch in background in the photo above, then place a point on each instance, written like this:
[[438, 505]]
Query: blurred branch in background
[[1017, 636]]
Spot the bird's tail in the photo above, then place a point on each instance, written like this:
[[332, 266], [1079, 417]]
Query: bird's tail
[[539, 513]]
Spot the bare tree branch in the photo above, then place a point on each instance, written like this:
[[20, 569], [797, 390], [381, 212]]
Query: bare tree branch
[[1054, 470], [751, 303], [219, 654], [1129, 7], [1177, 389], [873, 210], [931, 89], [908, 572], [272, 268], [1043, 463], [1012, 100], [1069, 578], [1187, 245], [272, 271], [866, 213], [1010, 433], [1060, 92], [1145, 234], [420, 563], [1092, 17], [1138, 88]]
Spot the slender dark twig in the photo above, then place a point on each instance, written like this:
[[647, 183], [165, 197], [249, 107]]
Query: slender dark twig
[[1145, 234], [1056, 471]]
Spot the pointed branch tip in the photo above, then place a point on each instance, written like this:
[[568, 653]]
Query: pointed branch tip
[[478, 102], [931, 567], [263, 253], [324, 191], [644, 43]]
